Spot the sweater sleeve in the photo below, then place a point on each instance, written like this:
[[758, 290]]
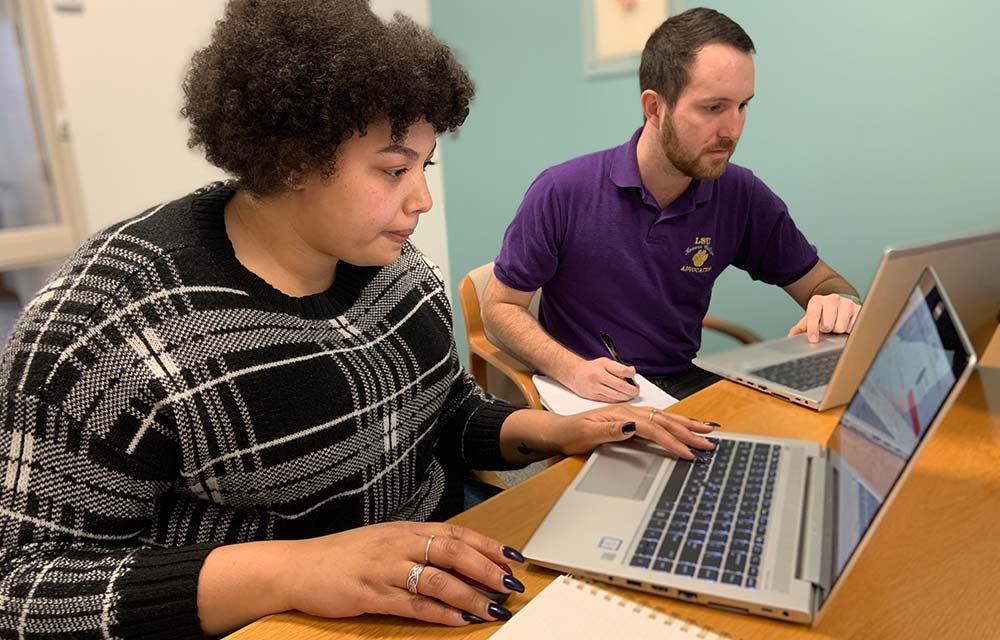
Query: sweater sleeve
[[72, 517], [470, 421]]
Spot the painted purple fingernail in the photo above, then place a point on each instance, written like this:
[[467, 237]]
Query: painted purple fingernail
[[714, 425], [498, 612], [628, 427], [469, 617], [513, 583], [512, 553]]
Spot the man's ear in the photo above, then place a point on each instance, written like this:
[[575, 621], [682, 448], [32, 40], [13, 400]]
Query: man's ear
[[653, 107]]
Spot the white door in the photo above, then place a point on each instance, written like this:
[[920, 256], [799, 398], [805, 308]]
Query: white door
[[39, 205]]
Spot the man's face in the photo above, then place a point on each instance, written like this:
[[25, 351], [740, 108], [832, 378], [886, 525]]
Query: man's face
[[700, 133]]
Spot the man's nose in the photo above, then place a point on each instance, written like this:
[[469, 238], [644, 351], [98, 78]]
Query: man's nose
[[732, 127]]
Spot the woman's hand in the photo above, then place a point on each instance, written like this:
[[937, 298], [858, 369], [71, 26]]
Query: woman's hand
[[365, 570], [362, 570], [583, 432]]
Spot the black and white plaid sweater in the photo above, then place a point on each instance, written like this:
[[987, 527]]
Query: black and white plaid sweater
[[157, 399]]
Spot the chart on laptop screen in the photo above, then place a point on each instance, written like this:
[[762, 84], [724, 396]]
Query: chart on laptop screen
[[902, 392]]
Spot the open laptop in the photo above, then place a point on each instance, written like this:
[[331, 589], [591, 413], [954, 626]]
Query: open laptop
[[766, 525], [825, 375]]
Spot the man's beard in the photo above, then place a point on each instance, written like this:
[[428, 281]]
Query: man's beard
[[689, 163]]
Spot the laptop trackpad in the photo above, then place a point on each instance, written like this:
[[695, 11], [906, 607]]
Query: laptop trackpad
[[621, 472]]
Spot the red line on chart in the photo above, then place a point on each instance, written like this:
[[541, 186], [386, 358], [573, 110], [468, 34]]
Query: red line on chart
[[913, 413]]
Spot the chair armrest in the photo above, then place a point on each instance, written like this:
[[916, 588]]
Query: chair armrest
[[731, 329], [490, 477], [509, 366]]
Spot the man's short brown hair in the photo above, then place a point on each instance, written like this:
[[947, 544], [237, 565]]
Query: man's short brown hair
[[670, 49]]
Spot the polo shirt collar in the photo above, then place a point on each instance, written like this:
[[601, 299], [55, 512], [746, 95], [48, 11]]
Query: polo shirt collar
[[625, 174]]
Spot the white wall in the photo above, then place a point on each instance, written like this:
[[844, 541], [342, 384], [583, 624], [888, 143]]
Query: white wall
[[121, 63]]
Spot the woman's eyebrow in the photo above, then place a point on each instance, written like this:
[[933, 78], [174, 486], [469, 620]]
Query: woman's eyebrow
[[400, 149]]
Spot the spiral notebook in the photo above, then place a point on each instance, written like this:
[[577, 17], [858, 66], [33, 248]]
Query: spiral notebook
[[574, 608]]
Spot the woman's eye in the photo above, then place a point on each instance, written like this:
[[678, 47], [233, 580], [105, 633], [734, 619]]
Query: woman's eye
[[429, 163], [395, 173]]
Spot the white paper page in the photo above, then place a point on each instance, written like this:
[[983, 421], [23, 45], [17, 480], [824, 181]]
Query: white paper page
[[572, 608], [558, 399]]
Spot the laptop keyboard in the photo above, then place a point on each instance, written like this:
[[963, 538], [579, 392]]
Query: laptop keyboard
[[802, 374], [711, 518]]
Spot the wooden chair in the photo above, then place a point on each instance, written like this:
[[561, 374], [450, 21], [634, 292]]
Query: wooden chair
[[500, 372]]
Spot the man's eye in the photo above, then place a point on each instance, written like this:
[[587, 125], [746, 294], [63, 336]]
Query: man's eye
[[712, 108]]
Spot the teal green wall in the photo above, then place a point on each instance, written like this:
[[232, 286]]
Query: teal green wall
[[877, 122]]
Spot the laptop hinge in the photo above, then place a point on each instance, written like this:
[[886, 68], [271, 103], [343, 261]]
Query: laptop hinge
[[811, 550]]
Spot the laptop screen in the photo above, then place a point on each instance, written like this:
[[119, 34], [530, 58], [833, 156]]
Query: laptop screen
[[905, 388]]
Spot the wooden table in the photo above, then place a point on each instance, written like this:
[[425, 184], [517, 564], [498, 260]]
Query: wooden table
[[932, 570]]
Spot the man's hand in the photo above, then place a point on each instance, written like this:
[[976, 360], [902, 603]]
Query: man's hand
[[831, 313], [602, 379]]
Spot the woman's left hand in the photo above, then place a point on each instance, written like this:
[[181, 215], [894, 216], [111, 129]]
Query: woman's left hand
[[583, 432]]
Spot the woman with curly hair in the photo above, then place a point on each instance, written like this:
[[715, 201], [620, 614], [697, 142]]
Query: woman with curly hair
[[248, 400]]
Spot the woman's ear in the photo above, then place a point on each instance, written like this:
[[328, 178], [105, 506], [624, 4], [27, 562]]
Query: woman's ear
[[295, 181]]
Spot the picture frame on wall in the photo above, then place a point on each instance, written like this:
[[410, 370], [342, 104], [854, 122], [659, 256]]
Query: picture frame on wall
[[615, 31]]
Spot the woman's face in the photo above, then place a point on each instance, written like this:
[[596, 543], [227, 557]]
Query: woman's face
[[371, 204]]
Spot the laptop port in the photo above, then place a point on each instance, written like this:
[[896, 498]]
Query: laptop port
[[687, 595], [659, 588], [726, 607], [634, 583]]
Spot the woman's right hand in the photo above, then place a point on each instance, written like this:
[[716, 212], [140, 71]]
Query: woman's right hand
[[365, 570]]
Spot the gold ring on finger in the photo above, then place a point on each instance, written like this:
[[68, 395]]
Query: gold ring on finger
[[652, 413], [413, 579]]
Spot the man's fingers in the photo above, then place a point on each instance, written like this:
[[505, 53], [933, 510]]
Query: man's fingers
[[814, 311], [618, 369], [854, 318], [800, 327], [845, 314], [831, 309]]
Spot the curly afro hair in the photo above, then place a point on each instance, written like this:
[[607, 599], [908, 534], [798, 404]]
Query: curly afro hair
[[285, 82]]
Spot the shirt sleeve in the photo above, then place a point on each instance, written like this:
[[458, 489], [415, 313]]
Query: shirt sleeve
[[773, 249], [530, 252]]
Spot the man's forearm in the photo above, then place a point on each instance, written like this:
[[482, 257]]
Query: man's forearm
[[520, 333]]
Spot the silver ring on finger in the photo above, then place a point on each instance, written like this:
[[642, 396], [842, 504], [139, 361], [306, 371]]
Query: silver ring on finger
[[652, 413], [427, 550], [413, 579]]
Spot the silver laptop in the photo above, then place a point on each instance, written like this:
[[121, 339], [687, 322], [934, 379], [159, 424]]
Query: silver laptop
[[764, 525], [825, 375]]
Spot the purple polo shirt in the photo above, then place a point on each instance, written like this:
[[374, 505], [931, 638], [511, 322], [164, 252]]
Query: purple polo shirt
[[607, 258]]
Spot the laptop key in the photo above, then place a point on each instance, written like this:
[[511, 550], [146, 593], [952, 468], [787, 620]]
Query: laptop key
[[706, 573]]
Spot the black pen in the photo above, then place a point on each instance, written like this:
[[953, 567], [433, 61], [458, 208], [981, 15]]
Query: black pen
[[610, 346]]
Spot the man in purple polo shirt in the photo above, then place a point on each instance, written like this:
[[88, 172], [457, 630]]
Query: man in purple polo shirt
[[630, 240]]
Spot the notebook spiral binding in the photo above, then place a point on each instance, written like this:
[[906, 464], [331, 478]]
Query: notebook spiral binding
[[652, 613]]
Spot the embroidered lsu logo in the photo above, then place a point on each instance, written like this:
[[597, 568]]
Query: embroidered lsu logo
[[698, 254]]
